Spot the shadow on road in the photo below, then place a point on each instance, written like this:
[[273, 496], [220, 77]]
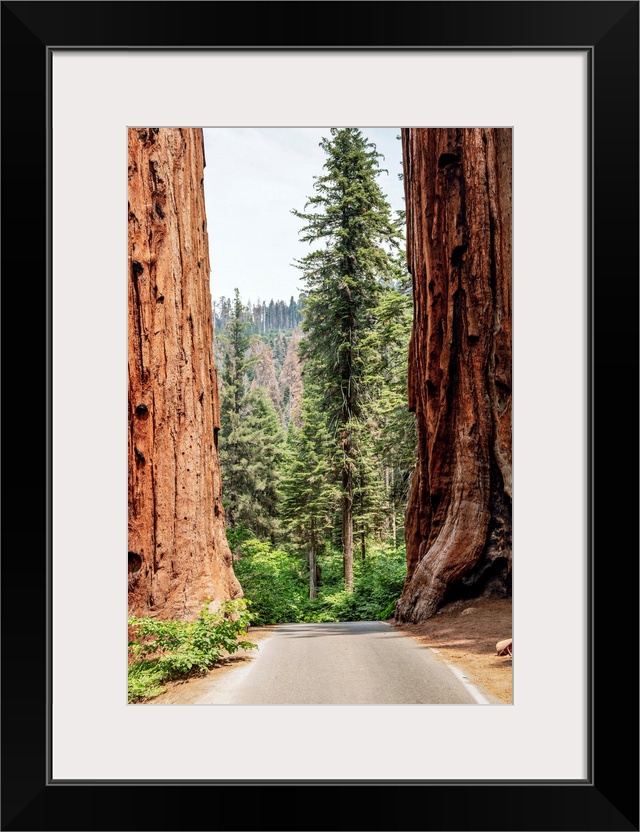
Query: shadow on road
[[339, 628]]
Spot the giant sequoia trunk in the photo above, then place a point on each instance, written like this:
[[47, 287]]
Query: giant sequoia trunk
[[458, 520], [178, 552]]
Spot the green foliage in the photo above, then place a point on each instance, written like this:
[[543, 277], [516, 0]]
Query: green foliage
[[232, 438], [259, 447], [251, 439], [352, 221], [308, 496], [262, 317], [145, 680], [237, 535], [392, 427], [379, 581], [357, 236], [165, 650], [339, 384], [276, 584], [377, 584]]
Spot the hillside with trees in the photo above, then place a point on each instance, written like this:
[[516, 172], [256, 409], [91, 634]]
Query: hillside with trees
[[317, 445]]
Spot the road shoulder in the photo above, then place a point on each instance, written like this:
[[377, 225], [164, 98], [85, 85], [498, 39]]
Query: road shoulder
[[464, 634]]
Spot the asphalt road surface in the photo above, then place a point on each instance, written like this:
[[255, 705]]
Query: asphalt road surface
[[352, 663]]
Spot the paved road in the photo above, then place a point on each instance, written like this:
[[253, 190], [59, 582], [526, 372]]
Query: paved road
[[354, 663]]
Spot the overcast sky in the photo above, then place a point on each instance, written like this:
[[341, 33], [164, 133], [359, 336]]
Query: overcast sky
[[253, 178]]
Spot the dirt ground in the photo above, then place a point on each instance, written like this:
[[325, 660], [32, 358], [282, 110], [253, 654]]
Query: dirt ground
[[465, 634]]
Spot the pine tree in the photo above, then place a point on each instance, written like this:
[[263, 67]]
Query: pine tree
[[368, 497], [393, 426], [308, 498], [292, 314], [251, 437], [235, 342], [261, 444], [353, 223]]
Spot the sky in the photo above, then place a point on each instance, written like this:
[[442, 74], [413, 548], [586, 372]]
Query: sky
[[253, 178]]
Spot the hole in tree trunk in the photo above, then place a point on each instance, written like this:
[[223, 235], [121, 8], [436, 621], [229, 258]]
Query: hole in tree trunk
[[135, 563], [447, 159], [456, 255]]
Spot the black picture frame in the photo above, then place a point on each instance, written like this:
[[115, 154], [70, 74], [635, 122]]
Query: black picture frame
[[608, 798]]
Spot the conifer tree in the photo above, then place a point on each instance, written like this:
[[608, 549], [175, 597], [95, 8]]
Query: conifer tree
[[236, 342], [393, 426], [251, 437], [353, 225], [261, 442], [308, 498]]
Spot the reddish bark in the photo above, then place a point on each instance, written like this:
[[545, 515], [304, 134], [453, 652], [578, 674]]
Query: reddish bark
[[458, 520], [178, 552]]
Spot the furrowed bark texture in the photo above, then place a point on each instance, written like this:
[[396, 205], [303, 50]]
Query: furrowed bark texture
[[458, 519], [178, 552]]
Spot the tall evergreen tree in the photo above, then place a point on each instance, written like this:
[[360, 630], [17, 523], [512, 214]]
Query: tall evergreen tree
[[393, 426], [236, 342], [353, 223], [251, 436], [307, 494], [261, 445], [293, 313]]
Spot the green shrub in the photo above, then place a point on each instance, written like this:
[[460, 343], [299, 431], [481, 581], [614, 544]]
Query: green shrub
[[274, 581], [165, 650], [237, 536], [377, 584]]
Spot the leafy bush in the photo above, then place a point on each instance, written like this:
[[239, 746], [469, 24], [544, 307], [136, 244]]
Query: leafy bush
[[273, 580], [276, 582], [164, 650], [237, 536], [377, 584]]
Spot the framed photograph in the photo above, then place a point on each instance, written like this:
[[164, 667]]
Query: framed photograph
[[563, 77]]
